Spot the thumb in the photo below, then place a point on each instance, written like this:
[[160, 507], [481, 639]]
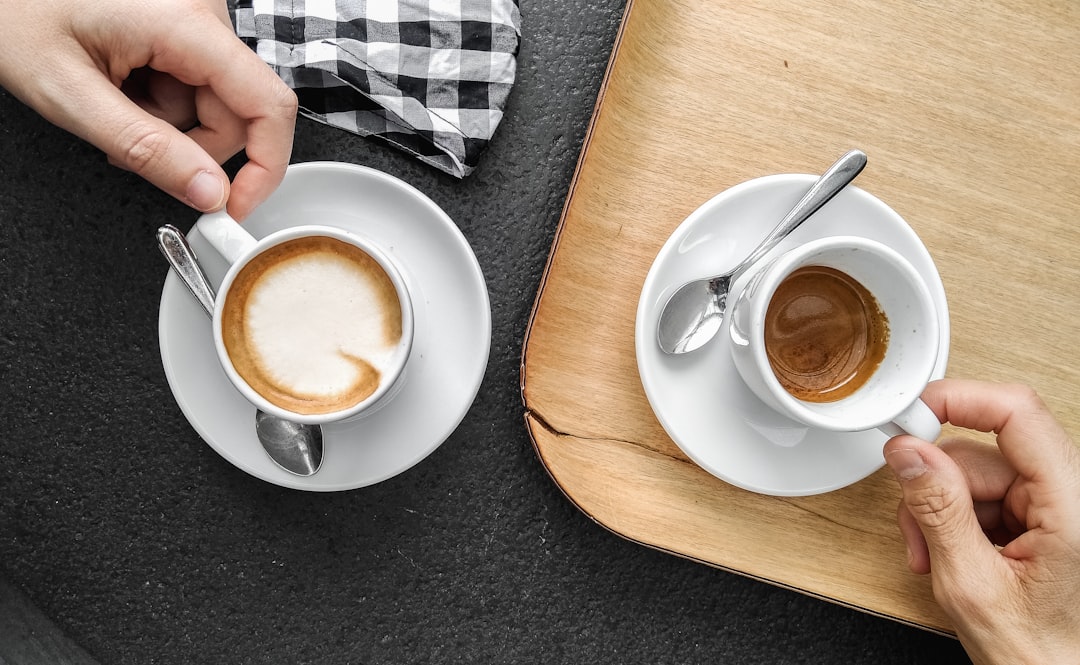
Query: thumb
[[937, 498], [133, 139], [167, 158]]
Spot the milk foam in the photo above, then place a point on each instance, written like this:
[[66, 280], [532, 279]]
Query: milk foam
[[313, 324], [309, 318]]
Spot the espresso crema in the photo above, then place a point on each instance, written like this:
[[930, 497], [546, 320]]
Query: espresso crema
[[825, 334], [312, 324]]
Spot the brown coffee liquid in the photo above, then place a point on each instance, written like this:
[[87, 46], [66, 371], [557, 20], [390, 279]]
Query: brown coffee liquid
[[825, 334]]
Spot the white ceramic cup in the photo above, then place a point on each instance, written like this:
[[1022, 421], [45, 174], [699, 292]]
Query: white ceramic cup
[[889, 400], [238, 248]]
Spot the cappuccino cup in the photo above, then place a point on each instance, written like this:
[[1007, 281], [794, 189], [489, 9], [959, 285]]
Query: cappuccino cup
[[312, 324], [840, 334]]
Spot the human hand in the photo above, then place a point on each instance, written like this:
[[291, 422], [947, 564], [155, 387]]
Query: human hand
[[996, 527], [129, 75]]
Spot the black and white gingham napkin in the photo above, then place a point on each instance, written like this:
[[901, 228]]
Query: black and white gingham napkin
[[429, 76]]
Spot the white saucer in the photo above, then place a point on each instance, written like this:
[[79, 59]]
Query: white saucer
[[450, 349], [699, 398]]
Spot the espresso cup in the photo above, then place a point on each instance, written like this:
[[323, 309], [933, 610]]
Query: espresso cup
[[841, 334], [312, 324]]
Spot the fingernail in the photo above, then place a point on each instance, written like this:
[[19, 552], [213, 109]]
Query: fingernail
[[907, 464], [206, 192]]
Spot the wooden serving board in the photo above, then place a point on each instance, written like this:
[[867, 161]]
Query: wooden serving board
[[970, 115]]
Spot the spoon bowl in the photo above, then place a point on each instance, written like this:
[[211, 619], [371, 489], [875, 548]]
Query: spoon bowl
[[693, 314], [294, 447]]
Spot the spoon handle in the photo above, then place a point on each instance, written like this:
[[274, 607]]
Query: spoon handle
[[174, 245], [836, 178]]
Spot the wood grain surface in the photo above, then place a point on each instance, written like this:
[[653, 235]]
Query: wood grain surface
[[970, 115]]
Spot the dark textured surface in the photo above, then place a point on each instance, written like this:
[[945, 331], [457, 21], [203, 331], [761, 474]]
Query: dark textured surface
[[145, 546]]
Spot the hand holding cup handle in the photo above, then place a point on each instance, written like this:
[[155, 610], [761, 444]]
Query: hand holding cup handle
[[996, 526]]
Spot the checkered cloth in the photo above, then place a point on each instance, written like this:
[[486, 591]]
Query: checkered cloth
[[429, 76]]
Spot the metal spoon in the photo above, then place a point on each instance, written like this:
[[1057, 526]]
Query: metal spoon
[[693, 314], [294, 447]]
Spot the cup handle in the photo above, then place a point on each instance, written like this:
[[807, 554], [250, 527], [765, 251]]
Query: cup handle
[[227, 236], [917, 420]]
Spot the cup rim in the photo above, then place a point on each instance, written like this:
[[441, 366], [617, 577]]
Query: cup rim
[[404, 350], [778, 269]]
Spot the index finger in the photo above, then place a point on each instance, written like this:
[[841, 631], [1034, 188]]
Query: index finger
[[1029, 436], [200, 50], [205, 52]]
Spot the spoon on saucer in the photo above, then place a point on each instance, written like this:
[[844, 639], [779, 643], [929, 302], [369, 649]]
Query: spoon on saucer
[[693, 314], [294, 447]]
